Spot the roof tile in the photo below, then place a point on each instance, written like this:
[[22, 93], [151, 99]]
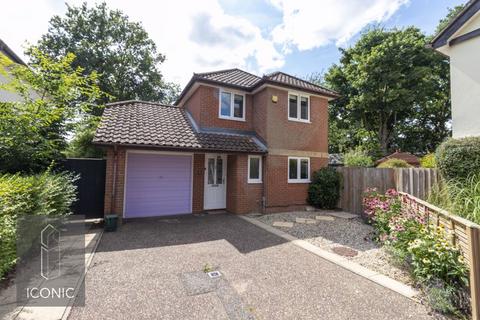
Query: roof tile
[[157, 125]]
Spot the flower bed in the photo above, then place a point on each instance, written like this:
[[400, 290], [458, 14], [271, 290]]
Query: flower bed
[[425, 250]]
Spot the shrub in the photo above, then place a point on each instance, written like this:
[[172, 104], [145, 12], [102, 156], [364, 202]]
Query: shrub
[[324, 190], [457, 158], [394, 163], [357, 158], [42, 194], [379, 209], [434, 257], [428, 161], [459, 197], [426, 250]]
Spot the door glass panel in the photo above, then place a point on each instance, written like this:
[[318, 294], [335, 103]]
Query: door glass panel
[[219, 170], [292, 169], [211, 171], [304, 169], [292, 106]]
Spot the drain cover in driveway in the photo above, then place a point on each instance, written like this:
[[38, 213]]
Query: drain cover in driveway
[[345, 251], [214, 274]]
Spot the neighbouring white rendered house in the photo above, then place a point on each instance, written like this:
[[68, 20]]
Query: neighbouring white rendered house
[[460, 41]]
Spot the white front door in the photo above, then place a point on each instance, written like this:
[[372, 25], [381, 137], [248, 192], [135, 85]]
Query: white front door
[[215, 181]]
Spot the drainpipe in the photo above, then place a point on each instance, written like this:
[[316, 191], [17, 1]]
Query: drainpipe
[[114, 180], [264, 184]]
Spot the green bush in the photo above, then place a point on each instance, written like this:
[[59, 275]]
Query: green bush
[[458, 158], [428, 161], [357, 158], [42, 194], [394, 163], [324, 190]]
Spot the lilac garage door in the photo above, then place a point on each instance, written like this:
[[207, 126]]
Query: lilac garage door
[[157, 185]]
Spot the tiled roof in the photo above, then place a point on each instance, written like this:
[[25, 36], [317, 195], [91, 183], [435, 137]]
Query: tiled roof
[[294, 82], [234, 77], [150, 124], [246, 81]]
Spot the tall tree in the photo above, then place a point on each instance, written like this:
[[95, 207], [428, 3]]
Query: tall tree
[[119, 50], [390, 84], [53, 96]]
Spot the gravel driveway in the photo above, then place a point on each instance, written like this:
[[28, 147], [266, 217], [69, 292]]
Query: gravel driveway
[[154, 269]]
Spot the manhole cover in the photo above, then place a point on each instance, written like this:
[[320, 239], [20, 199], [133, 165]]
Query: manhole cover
[[345, 251]]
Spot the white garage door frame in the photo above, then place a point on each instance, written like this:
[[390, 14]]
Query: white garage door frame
[[171, 153]]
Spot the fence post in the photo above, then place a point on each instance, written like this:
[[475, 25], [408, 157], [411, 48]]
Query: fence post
[[474, 240]]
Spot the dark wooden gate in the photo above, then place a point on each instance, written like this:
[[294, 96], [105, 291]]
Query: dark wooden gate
[[90, 186]]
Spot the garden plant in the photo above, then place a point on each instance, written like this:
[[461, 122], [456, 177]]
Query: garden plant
[[436, 265]]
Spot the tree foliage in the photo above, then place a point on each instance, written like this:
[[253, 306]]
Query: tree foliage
[[54, 95], [394, 92], [119, 50]]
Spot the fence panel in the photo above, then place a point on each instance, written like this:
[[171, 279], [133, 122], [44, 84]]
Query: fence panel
[[90, 186], [415, 181]]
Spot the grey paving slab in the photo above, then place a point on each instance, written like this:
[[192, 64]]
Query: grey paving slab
[[135, 275]]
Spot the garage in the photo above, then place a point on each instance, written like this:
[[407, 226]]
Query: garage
[[157, 184]]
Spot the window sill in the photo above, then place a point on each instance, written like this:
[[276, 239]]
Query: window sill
[[231, 118], [299, 120], [254, 181], [298, 181]]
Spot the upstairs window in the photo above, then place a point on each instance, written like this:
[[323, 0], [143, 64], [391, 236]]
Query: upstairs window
[[232, 105], [298, 108], [298, 170]]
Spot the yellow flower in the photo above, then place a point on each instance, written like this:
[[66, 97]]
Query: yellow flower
[[426, 261]]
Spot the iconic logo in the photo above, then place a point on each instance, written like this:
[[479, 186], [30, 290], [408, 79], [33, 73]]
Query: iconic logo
[[50, 252]]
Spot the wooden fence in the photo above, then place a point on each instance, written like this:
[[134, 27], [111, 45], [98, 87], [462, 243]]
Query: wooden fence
[[415, 181], [466, 236]]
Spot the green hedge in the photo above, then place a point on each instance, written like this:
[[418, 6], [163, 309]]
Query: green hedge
[[324, 190], [458, 158], [357, 158], [42, 194]]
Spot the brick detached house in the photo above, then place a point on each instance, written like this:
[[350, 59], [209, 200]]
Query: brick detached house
[[233, 141]]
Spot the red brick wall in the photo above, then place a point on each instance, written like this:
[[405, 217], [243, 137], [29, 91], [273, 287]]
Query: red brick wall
[[242, 197], [115, 207], [203, 105], [286, 134], [198, 182], [260, 102], [281, 195]]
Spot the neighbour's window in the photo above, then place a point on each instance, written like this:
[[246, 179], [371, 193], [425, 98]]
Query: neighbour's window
[[232, 105], [298, 108], [254, 169], [298, 169]]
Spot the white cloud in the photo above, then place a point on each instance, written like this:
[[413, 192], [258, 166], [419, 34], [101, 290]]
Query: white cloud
[[309, 24], [200, 36]]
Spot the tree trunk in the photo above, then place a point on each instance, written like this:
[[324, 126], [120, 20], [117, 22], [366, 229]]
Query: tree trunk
[[383, 135]]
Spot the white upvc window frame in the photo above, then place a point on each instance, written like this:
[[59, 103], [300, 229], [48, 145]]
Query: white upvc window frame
[[298, 179], [232, 106], [299, 112], [260, 168]]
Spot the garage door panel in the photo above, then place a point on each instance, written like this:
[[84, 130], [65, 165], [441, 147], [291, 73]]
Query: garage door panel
[[158, 185]]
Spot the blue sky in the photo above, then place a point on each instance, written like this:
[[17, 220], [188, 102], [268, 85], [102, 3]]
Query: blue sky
[[424, 14], [296, 36]]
